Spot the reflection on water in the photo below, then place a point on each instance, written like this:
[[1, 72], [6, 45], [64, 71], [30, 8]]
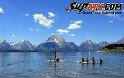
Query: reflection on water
[[36, 65]]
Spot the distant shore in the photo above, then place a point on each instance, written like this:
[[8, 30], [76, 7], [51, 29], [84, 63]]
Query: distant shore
[[111, 51]]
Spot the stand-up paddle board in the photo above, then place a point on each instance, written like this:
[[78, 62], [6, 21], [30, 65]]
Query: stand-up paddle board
[[88, 62], [83, 62], [55, 61]]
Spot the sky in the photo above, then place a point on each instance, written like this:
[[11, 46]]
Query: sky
[[36, 20]]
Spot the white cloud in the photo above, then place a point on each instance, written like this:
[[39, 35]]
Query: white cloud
[[62, 31], [72, 35], [110, 21], [37, 29], [75, 25], [1, 10], [26, 14], [71, 21], [52, 34], [51, 14], [13, 35], [42, 20], [31, 29], [114, 16]]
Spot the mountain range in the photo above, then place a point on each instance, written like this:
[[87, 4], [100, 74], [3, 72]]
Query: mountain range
[[54, 42]]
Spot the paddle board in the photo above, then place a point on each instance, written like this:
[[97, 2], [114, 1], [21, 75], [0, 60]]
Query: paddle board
[[55, 61], [83, 62], [87, 62]]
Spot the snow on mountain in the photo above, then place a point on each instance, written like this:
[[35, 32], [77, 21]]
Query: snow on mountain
[[88, 45], [52, 43], [55, 42], [70, 46], [2, 40], [56, 39], [12, 43], [121, 41], [48, 46], [23, 45], [4, 45], [103, 44]]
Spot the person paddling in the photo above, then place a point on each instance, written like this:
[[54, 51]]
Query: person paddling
[[57, 59], [93, 60], [82, 59], [87, 60], [55, 55], [50, 59], [101, 61]]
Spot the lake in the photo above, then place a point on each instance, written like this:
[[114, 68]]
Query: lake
[[36, 65]]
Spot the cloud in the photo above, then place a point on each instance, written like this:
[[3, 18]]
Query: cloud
[[51, 14], [53, 34], [113, 15], [42, 20], [72, 35], [13, 35], [31, 29], [62, 31], [75, 25], [110, 21], [71, 21], [26, 14], [1, 10], [37, 30]]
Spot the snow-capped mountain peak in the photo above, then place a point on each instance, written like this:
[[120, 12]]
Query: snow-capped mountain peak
[[88, 42], [121, 41], [24, 41], [22, 45], [2, 40], [4, 45], [88, 45], [55, 38]]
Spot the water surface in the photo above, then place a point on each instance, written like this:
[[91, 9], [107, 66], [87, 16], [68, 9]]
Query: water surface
[[35, 65]]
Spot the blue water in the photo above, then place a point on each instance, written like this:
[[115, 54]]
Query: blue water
[[35, 65]]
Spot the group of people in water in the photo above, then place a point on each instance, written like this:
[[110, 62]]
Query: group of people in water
[[93, 60], [82, 59]]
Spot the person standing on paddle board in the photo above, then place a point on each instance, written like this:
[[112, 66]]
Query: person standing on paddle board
[[55, 55]]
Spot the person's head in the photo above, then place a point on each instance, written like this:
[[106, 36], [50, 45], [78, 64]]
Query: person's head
[[93, 57]]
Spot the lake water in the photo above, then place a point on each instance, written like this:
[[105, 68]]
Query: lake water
[[35, 65]]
